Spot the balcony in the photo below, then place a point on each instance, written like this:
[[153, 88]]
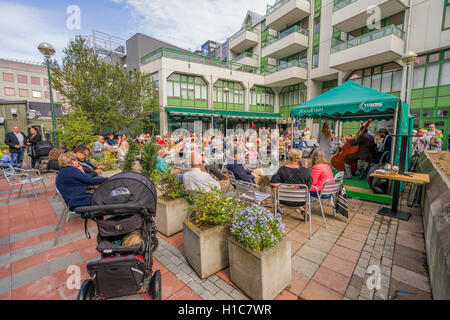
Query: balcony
[[286, 12], [243, 40], [247, 59], [349, 15], [286, 43], [376, 47], [286, 74], [195, 58]]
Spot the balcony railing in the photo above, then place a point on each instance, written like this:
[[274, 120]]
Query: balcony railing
[[339, 4], [270, 9], [195, 58], [284, 66], [285, 33], [243, 29], [340, 45], [245, 55]]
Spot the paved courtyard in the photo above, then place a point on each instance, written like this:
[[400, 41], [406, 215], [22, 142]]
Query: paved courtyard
[[337, 263]]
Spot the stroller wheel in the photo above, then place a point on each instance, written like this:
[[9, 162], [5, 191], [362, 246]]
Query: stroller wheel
[[87, 290], [154, 286]]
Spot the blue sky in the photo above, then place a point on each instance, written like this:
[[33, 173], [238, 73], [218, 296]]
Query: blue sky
[[186, 23]]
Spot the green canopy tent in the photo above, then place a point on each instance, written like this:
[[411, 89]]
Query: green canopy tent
[[354, 102]]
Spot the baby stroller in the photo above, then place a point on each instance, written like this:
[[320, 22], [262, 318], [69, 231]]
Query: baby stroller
[[124, 204], [41, 151]]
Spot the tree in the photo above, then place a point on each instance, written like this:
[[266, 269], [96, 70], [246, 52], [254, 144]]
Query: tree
[[74, 129], [110, 96], [130, 157], [149, 155]]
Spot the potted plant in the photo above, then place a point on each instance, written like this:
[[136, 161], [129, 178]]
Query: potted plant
[[171, 210], [207, 230], [259, 253]]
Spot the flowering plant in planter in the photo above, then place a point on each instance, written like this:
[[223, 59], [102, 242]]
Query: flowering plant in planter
[[170, 186], [212, 208], [257, 228]]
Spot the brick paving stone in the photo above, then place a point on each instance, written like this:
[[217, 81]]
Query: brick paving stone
[[185, 294], [386, 261], [344, 253], [363, 263], [356, 282], [366, 255], [367, 293], [360, 272], [210, 286], [350, 244], [298, 283], [184, 277], [331, 279], [317, 291], [417, 265], [222, 295], [311, 254], [223, 286], [237, 295], [411, 278], [196, 287], [206, 295], [303, 266], [352, 293], [413, 293], [324, 246], [339, 265]]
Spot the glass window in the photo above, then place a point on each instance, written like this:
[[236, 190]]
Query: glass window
[[315, 60], [427, 113], [376, 70], [446, 23], [376, 82], [317, 25], [391, 66], [8, 77], [23, 93], [442, 113], [396, 20], [366, 81], [358, 80], [447, 54], [36, 94], [356, 74], [419, 74], [354, 34], [445, 73], [10, 92], [397, 80], [176, 89], [386, 83], [420, 60], [433, 57], [23, 79], [432, 75], [35, 80]]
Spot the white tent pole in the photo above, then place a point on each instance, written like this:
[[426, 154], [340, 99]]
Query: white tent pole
[[394, 138]]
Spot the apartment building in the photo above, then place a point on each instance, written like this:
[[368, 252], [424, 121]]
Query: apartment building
[[299, 49]]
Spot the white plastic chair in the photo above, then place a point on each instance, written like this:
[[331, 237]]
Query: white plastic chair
[[20, 177], [294, 193]]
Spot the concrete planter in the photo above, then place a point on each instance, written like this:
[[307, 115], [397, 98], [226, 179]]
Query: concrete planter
[[206, 249], [262, 275], [170, 215]]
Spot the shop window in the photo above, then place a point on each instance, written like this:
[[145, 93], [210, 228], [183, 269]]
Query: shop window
[[427, 113], [442, 113], [419, 74], [445, 73], [432, 75]]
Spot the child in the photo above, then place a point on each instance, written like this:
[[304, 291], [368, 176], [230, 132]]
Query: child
[[5, 160]]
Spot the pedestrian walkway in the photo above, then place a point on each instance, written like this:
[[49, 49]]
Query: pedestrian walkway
[[337, 263]]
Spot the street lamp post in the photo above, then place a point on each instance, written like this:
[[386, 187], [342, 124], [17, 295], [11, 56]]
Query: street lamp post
[[47, 50], [226, 90]]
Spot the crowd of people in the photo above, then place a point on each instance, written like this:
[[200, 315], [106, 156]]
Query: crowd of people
[[18, 143]]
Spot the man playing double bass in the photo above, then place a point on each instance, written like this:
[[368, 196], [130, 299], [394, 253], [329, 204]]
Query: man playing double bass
[[366, 144]]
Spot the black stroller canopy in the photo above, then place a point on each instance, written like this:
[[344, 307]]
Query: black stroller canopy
[[43, 148], [127, 188]]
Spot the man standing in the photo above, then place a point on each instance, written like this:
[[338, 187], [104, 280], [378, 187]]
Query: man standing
[[16, 141], [432, 131]]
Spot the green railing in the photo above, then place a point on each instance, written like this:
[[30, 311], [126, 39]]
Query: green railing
[[243, 29], [284, 66], [340, 45], [339, 4], [195, 58], [270, 9], [284, 34], [245, 55]]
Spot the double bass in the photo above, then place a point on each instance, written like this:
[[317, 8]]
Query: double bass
[[338, 160]]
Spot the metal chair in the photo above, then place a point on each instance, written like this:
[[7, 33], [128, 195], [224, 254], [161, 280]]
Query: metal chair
[[232, 180], [65, 215], [20, 177], [330, 187], [339, 177], [294, 193], [249, 191]]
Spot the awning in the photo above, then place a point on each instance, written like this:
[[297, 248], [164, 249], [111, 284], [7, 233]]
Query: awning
[[191, 112], [349, 101], [250, 115]]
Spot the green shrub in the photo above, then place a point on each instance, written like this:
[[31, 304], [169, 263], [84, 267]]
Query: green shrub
[[170, 186], [149, 155], [131, 156], [213, 208]]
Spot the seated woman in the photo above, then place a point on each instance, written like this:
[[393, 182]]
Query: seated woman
[[293, 173], [53, 157], [321, 171], [72, 182]]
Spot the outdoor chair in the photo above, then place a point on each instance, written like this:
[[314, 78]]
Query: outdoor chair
[[294, 193], [232, 179], [330, 187], [65, 216], [20, 177], [249, 191]]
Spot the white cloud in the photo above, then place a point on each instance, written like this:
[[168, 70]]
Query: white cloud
[[24, 27], [190, 23]]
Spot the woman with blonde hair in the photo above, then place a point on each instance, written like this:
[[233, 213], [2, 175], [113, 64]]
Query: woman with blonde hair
[[72, 182], [293, 173], [321, 171], [324, 139]]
